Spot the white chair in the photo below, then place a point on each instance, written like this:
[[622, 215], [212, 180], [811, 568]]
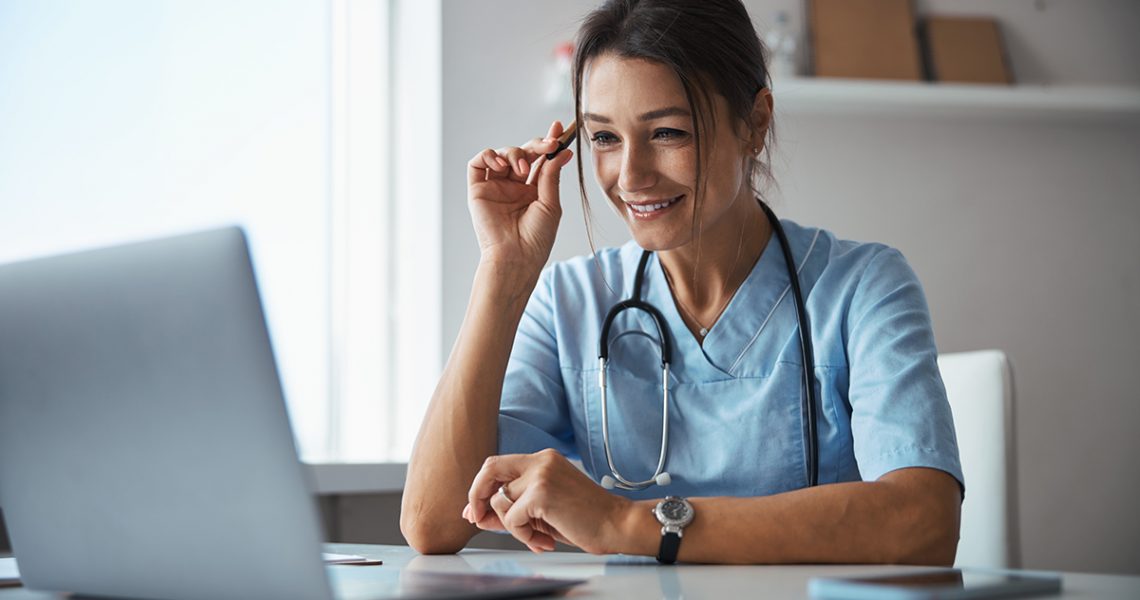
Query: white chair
[[979, 386]]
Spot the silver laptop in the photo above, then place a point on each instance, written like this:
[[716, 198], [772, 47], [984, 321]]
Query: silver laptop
[[145, 449]]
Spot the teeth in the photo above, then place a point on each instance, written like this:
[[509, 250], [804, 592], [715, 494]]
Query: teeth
[[645, 208]]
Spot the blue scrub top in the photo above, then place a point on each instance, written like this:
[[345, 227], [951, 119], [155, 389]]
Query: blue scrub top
[[735, 420]]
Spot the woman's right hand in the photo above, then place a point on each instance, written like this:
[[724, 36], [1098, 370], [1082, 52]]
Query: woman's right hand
[[515, 223]]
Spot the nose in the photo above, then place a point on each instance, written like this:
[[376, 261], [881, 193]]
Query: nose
[[638, 171]]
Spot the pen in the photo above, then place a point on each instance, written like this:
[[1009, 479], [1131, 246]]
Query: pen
[[564, 142], [565, 139]]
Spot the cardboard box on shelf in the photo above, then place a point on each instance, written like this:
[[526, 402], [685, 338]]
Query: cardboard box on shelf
[[965, 50], [874, 39]]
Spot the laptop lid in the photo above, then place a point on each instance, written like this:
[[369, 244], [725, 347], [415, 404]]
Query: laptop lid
[[145, 449]]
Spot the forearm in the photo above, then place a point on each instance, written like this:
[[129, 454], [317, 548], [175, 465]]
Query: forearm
[[894, 520], [460, 428]]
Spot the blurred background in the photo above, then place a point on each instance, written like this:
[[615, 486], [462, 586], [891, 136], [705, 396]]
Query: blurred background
[[337, 132]]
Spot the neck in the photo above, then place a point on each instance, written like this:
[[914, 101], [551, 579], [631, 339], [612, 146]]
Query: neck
[[706, 273]]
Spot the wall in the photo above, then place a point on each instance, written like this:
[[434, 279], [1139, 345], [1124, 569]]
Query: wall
[[1024, 233]]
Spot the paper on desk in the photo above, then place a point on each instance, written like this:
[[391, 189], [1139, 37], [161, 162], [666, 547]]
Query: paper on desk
[[337, 559], [9, 573]]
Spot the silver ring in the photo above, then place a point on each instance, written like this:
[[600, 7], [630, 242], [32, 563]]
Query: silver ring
[[503, 493]]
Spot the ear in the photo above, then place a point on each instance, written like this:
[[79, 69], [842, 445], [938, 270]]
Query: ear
[[761, 118]]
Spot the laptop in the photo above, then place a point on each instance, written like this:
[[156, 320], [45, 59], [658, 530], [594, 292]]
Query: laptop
[[145, 448]]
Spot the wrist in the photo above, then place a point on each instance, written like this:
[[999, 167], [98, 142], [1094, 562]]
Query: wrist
[[637, 531], [499, 296], [510, 276]]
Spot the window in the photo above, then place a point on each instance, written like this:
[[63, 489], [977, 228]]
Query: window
[[125, 120]]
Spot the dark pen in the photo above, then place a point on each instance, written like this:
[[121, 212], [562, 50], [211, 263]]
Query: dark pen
[[564, 142]]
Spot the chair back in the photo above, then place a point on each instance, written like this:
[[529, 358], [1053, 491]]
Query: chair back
[[979, 386]]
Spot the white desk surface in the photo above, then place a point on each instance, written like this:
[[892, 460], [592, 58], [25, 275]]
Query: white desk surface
[[634, 577]]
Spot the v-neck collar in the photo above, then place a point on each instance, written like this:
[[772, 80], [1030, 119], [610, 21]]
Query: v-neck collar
[[743, 320]]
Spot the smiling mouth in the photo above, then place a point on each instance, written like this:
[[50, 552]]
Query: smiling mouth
[[642, 211]]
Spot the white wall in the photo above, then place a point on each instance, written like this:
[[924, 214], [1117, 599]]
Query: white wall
[[1024, 233]]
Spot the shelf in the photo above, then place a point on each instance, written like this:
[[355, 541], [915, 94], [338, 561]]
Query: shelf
[[886, 98]]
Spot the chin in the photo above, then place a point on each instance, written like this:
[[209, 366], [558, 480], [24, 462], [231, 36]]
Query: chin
[[654, 242]]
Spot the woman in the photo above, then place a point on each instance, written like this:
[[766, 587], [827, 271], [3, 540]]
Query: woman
[[672, 98]]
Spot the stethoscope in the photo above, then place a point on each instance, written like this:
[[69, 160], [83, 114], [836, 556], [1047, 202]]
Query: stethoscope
[[660, 476]]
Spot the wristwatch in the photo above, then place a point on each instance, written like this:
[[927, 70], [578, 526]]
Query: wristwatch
[[674, 514]]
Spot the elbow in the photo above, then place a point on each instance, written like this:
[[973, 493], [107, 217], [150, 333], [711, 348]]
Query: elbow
[[927, 511], [931, 538], [937, 548], [429, 542], [428, 535]]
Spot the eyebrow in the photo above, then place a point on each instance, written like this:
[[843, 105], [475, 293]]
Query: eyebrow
[[672, 111]]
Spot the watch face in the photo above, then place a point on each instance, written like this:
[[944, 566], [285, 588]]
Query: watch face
[[674, 511]]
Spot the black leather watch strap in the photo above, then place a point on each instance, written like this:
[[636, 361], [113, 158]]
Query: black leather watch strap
[[670, 544]]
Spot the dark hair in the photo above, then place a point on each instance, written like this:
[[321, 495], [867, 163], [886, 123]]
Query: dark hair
[[712, 47]]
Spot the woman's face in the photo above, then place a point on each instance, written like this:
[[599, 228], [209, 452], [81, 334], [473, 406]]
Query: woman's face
[[640, 129]]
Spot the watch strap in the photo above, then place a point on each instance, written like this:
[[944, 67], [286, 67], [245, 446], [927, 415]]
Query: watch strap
[[670, 544]]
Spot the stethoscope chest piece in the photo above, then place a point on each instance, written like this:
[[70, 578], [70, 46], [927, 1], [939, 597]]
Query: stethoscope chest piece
[[615, 478], [660, 477]]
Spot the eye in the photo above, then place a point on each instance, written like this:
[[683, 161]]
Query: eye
[[668, 134], [603, 138]]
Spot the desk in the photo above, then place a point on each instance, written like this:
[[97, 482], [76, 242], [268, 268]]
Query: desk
[[633, 577]]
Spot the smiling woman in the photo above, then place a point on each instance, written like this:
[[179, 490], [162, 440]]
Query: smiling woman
[[647, 164], [760, 358]]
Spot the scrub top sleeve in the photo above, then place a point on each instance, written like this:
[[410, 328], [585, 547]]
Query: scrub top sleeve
[[899, 413], [533, 413]]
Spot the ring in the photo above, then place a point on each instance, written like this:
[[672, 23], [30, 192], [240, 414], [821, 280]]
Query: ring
[[503, 493]]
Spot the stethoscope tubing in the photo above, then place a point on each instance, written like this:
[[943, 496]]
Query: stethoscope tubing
[[806, 350], [808, 399]]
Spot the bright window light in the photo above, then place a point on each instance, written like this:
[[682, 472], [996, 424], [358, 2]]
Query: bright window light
[[129, 119]]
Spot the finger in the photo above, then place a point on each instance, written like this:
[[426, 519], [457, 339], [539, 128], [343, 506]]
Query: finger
[[489, 522], [519, 160], [483, 164], [496, 471], [565, 139], [529, 152], [555, 130], [540, 147], [535, 168], [519, 521], [500, 504], [550, 176], [543, 526]]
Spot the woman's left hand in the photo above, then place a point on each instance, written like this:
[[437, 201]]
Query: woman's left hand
[[544, 499]]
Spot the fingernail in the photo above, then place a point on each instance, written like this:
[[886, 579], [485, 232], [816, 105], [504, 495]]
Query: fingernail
[[523, 166], [502, 163]]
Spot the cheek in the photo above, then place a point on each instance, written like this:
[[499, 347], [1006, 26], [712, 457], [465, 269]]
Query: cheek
[[726, 173], [681, 165], [607, 168]]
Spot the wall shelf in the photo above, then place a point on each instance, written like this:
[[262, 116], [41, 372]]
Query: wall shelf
[[811, 96]]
